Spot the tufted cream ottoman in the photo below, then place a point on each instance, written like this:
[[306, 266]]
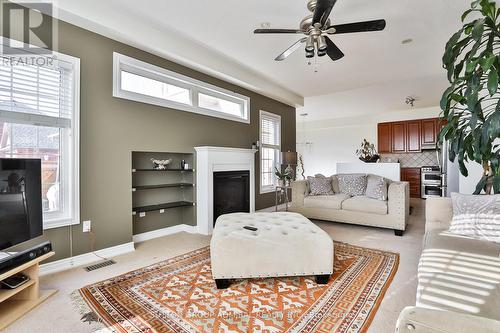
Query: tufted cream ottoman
[[260, 245]]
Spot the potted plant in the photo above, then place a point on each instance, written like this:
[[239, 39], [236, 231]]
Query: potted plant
[[283, 177], [367, 153], [471, 105]]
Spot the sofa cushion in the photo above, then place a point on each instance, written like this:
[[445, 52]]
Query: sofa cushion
[[376, 187], [365, 205], [320, 186], [352, 184], [325, 201], [460, 274], [335, 184], [476, 216]]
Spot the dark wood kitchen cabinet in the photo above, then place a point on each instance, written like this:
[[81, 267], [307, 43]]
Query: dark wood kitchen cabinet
[[413, 135], [384, 138], [430, 129], [399, 137], [412, 175]]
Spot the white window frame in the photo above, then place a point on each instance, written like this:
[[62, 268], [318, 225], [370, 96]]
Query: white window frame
[[70, 159], [271, 188], [124, 63]]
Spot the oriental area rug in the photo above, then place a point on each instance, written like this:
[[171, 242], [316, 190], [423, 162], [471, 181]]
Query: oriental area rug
[[178, 295]]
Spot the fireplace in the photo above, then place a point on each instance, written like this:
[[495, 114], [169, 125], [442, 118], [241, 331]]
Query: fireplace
[[231, 192], [212, 160]]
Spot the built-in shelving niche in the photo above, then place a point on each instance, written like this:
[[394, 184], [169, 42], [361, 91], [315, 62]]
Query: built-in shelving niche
[[162, 198]]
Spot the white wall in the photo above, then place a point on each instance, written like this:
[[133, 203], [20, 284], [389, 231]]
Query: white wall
[[467, 185], [336, 140]]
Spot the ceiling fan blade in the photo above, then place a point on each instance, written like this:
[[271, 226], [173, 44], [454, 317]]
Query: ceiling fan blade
[[322, 11], [333, 51], [375, 25], [277, 31], [291, 49]]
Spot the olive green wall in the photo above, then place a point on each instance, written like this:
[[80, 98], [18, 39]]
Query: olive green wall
[[112, 128]]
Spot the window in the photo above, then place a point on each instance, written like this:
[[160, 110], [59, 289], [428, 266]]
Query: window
[[270, 147], [39, 118], [141, 82]]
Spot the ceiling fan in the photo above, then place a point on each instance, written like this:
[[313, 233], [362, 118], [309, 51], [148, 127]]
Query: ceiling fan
[[316, 28]]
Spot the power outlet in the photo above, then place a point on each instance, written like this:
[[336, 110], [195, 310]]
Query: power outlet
[[87, 226]]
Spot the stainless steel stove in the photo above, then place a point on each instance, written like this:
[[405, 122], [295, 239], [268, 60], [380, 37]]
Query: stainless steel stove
[[432, 182]]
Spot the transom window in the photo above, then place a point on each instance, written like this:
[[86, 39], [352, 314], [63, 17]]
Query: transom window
[[142, 82], [39, 118], [270, 147]]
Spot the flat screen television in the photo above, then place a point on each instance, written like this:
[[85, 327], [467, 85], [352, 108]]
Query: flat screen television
[[20, 201]]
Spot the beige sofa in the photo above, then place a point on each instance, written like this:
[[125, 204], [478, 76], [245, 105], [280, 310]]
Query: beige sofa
[[391, 214], [458, 280]]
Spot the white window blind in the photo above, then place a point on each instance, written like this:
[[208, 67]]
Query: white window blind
[[39, 118], [270, 138], [46, 92]]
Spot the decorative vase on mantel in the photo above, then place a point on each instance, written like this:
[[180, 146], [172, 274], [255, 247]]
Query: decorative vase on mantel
[[281, 182]]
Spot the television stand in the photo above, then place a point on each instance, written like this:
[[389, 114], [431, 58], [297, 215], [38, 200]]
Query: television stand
[[14, 303]]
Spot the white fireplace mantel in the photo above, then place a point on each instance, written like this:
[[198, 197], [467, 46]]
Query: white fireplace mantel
[[216, 159]]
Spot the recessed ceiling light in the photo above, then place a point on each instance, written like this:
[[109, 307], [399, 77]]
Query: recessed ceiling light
[[407, 41], [265, 25]]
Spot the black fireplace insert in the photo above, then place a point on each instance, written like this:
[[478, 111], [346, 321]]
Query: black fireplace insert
[[231, 192]]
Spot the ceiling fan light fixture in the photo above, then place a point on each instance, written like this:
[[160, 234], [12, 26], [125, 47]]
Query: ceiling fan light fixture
[[310, 44], [321, 53], [309, 54], [322, 46]]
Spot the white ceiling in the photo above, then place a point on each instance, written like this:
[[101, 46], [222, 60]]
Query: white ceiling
[[371, 58], [376, 99], [224, 28]]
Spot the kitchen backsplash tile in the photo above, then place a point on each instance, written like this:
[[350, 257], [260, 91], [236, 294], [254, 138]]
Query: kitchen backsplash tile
[[412, 160]]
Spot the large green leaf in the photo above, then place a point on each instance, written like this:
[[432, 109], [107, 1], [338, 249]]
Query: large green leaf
[[487, 62], [493, 82], [478, 30]]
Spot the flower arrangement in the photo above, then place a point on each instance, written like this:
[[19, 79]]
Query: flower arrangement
[[283, 177], [367, 153]]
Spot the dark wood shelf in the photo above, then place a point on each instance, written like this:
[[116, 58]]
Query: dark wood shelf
[[152, 187], [166, 170], [169, 205]]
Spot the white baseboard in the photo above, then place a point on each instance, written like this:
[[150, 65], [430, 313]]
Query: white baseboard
[[85, 259], [164, 232]]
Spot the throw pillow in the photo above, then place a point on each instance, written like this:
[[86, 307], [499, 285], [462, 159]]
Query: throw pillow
[[320, 186], [352, 184], [335, 184], [376, 187], [476, 216]]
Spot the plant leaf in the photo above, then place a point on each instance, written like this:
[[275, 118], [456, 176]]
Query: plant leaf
[[486, 63], [493, 82], [478, 30], [463, 169]]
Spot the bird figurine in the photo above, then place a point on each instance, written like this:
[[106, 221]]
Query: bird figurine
[[160, 164]]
